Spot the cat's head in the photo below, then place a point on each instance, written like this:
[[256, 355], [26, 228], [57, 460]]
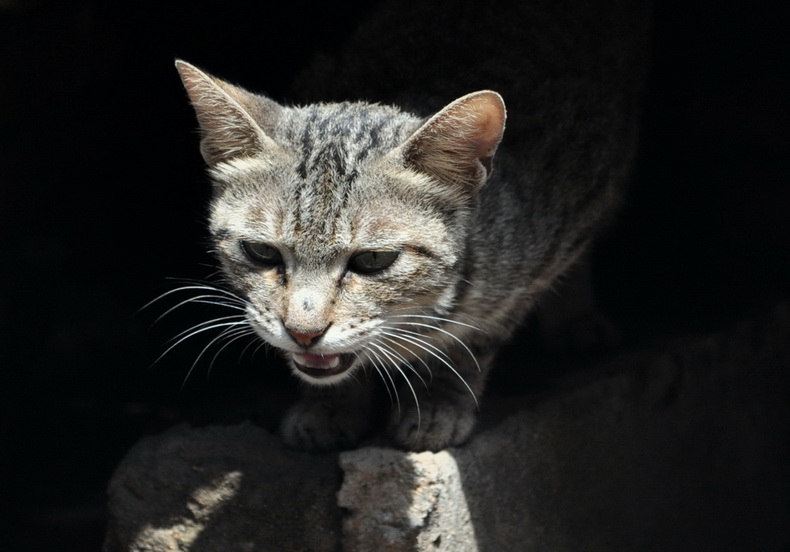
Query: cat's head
[[342, 225]]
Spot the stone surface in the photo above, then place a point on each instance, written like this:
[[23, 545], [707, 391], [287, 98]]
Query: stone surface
[[222, 488], [425, 506], [684, 447]]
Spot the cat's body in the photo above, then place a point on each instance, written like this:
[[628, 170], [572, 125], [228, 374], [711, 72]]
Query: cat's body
[[362, 237]]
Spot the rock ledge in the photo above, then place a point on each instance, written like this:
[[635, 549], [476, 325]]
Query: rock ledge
[[677, 449]]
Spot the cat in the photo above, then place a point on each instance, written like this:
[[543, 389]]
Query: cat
[[409, 242]]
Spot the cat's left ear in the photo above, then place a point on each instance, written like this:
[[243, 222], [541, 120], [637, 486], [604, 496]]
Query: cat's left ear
[[457, 145]]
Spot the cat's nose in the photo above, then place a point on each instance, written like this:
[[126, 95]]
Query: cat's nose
[[305, 338]]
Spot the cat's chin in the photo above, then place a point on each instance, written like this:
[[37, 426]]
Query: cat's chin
[[322, 367]]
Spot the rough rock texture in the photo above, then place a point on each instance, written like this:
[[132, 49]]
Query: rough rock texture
[[425, 508], [222, 489], [686, 448]]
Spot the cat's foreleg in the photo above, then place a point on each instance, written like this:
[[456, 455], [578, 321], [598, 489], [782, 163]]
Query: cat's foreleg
[[445, 404], [329, 418]]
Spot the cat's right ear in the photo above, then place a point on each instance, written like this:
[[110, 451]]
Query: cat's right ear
[[457, 145], [233, 122]]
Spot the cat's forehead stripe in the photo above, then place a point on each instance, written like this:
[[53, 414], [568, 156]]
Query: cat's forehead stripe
[[335, 138], [333, 141]]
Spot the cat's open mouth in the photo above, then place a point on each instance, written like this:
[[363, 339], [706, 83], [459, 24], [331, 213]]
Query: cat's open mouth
[[322, 366]]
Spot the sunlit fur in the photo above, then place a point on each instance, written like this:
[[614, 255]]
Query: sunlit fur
[[482, 226]]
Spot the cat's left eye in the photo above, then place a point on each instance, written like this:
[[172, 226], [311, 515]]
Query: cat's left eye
[[370, 262], [261, 253]]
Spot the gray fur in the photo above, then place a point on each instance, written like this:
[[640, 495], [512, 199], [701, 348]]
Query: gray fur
[[324, 182]]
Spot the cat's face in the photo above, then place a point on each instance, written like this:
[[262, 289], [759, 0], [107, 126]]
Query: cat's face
[[330, 280], [342, 225]]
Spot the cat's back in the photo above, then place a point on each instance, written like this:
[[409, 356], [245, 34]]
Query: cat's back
[[539, 54], [570, 72]]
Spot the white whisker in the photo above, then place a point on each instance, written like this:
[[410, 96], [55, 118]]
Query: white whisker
[[378, 371], [196, 332], [437, 354], [238, 317], [257, 340], [386, 372], [442, 330], [204, 287], [406, 378], [261, 343], [216, 339], [232, 336], [402, 360], [416, 339], [441, 319], [200, 299]]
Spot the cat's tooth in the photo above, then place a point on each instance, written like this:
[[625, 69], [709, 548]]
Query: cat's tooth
[[317, 361]]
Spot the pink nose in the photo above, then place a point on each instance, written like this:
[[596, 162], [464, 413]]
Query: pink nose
[[306, 338]]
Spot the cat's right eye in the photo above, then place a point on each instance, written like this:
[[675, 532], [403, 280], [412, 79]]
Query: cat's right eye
[[261, 253]]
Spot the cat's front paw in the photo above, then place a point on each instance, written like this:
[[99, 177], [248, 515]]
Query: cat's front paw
[[436, 425], [324, 424]]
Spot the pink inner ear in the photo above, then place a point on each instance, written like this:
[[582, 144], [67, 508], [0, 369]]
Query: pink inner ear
[[457, 144], [489, 113]]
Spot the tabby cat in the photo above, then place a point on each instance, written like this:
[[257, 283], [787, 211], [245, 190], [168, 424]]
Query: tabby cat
[[408, 243]]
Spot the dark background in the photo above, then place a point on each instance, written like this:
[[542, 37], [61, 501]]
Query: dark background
[[103, 197]]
